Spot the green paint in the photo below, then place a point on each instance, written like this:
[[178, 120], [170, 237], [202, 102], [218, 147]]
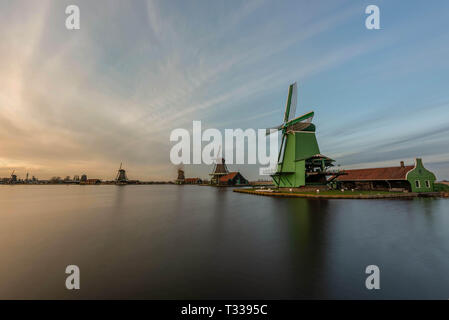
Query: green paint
[[291, 171], [421, 179], [289, 102], [299, 146], [441, 187], [306, 145]]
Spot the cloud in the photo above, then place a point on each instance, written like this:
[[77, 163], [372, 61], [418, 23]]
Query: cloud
[[84, 101]]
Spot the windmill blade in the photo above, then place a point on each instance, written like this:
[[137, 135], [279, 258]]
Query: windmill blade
[[300, 126], [219, 158], [269, 131], [292, 100], [282, 149], [307, 117]]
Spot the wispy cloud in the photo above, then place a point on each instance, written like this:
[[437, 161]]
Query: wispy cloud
[[83, 101]]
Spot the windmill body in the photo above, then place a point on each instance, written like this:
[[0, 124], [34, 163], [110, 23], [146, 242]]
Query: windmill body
[[220, 170], [13, 178], [121, 178], [300, 162], [181, 177]]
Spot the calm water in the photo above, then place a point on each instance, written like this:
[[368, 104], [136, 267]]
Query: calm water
[[202, 242]]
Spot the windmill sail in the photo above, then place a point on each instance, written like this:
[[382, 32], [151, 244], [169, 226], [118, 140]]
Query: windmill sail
[[300, 122], [292, 100], [290, 111], [291, 123], [121, 177], [220, 166], [290, 108], [269, 131], [282, 150]]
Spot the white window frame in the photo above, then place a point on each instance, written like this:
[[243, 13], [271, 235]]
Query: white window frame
[[427, 184], [418, 184]]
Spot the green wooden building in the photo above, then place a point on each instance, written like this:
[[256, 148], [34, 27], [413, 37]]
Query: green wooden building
[[421, 179]]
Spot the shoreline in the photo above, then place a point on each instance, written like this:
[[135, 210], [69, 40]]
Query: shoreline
[[409, 195]]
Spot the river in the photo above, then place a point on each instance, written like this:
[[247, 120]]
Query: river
[[189, 242]]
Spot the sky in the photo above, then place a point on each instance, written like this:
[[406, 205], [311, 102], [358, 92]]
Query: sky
[[78, 102]]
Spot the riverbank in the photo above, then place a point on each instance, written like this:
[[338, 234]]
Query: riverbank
[[336, 194]]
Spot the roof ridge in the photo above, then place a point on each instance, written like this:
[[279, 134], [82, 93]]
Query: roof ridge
[[397, 167]]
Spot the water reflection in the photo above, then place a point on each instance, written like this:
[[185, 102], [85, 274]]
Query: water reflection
[[203, 242], [118, 198], [307, 223]]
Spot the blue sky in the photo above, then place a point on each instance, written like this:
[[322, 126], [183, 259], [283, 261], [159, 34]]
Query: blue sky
[[82, 101]]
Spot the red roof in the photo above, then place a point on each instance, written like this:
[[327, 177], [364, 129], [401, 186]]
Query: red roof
[[388, 173], [229, 176]]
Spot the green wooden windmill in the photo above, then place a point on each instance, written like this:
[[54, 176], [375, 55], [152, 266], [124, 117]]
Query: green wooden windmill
[[299, 162]]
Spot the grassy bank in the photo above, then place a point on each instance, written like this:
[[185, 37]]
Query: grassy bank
[[336, 194], [339, 192]]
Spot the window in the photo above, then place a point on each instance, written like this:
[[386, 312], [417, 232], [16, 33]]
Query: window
[[427, 183], [417, 184]]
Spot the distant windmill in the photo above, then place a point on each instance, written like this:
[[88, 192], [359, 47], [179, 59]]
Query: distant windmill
[[13, 178], [121, 176], [220, 168], [181, 176]]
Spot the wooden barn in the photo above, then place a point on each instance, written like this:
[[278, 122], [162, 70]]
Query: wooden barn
[[233, 179], [193, 181], [91, 181], [414, 178]]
